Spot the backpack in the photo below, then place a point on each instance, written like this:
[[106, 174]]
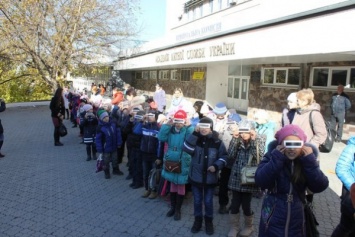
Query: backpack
[[154, 178], [327, 145]]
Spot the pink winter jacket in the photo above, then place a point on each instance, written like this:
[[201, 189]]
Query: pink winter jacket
[[302, 120]]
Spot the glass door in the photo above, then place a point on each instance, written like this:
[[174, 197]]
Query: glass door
[[238, 90]]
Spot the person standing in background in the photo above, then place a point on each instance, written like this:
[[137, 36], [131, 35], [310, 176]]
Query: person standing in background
[[159, 97], [57, 113], [340, 105], [2, 109]]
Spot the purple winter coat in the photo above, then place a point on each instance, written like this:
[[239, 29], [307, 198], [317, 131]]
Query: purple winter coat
[[279, 217]]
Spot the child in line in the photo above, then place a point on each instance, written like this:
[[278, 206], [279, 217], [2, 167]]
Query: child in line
[[246, 144], [149, 150], [286, 171], [89, 124], [108, 139], [174, 133], [209, 156]]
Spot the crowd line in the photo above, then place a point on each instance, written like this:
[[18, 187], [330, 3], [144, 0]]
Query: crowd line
[[201, 147]]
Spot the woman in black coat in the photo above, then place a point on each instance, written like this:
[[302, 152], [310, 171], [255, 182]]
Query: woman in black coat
[[57, 112]]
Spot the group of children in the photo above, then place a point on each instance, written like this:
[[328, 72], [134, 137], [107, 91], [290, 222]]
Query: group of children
[[287, 166]]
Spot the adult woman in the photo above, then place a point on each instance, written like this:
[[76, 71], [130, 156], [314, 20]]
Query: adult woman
[[247, 144], [174, 133], [318, 133], [286, 171], [179, 102], [57, 112]]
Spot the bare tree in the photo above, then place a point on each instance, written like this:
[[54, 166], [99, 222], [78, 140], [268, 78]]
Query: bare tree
[[54, 36]]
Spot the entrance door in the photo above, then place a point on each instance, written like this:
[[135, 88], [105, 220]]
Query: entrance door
[[238, 92]]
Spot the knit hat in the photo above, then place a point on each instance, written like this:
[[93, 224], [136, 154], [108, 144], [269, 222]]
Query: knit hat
[[87, 107], [246, 124], [180, 114], [220, 108], [102, 114], [207, 120], [204, 109], [292, 97], [290, 130]]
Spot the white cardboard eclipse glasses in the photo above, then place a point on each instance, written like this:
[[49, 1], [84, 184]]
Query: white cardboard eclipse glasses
[[293, 144], [178, 120], [244, 130], [138, 116], [204, 125]]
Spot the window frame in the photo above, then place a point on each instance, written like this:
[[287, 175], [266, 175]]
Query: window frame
[[182, 74], [162, 73], [279, 69], [153, 75], [330, 74], [174, 75], [145, 75]]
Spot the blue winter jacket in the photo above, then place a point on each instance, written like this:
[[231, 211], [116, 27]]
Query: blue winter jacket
[[340, 103], [282, 212], [150, 142], [345, 167], [206, 151], [175, 141], [108, 137]]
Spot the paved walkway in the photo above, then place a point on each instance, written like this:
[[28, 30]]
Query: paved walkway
[[52, 191]]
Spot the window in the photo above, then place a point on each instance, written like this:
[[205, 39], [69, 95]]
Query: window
[[164, 74], [219, 4], [153, 75], [145, 75], [138, 75], [333, 76], [282, 76], [185, 75], [174, 75]]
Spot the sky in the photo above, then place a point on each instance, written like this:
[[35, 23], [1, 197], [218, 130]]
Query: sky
[[152, 19]]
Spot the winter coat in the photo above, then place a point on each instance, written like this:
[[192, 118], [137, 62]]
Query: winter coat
[[56, 108], [268, 131], [89, 124], [150, 142], [278, 216], [302, 120], [340, 103], [205, 151], [345, 170], [175, 141], [134, 136], [117, 98], [2, 109], [240, 153], [108, 137], [121, 119], [287, 116], [221, 127], [345, 166]]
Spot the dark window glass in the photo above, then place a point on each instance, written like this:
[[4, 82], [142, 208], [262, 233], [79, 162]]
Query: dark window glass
[[268, 76], [339, 77], [281, 76], [320, 76], [293, 77]]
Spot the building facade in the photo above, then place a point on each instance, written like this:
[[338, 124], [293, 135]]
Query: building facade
[[250, 54]]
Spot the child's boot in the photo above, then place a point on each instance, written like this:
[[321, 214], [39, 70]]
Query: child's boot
[[171, 211], [197, 224], [234, 225], [179, 200], [248, 226], [209, 225]]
